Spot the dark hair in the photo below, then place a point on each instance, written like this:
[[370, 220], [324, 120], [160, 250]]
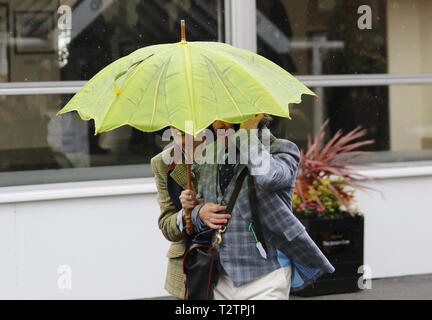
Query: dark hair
[[265, 121], [210, 127]]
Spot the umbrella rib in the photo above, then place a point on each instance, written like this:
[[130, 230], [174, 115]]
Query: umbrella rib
[[273, 75], [126, 81], [302, 89], [212, 87], [90, 87], [93, 80], [96, 103], [244, 69], [189, 81], [165, 91], [107, 69], [155, 100], [211, 63], [246, 97], [140, 100]]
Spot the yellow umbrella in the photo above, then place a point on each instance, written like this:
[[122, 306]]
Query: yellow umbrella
[[169, 84]]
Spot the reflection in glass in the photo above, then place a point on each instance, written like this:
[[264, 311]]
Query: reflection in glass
[[124, 26], [31, 137], [25, 138], [317, 37], [40, 34], [121, 28], [396, 117], [346, 107], [321, 37]]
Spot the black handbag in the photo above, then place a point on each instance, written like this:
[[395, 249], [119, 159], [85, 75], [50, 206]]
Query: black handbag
[[201, 263]]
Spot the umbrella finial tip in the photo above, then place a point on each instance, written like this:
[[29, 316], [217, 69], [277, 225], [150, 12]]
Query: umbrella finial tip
[[183, 31]]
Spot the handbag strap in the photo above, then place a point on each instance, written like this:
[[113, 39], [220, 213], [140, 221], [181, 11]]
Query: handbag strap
[[236, 190], [231, 203], [255, 214]]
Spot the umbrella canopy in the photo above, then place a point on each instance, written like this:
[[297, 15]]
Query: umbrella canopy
[[187, 85], [170, 84]]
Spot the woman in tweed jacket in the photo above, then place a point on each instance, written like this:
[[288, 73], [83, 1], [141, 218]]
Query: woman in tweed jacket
[[171, 180], [174, 282]]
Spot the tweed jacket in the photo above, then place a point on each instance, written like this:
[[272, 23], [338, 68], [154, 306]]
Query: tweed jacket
[[174, 282], [283, 232]]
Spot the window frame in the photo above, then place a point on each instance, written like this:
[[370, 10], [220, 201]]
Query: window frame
[[240, 31]]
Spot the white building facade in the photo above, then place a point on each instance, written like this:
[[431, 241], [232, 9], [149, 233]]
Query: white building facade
[[81, 223]]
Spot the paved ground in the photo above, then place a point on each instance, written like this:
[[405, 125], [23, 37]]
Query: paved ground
[[418, 287]]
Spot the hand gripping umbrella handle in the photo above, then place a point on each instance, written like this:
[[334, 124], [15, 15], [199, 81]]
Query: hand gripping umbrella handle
[[189, 227]]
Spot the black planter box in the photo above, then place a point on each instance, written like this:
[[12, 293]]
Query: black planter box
[[341, 240]]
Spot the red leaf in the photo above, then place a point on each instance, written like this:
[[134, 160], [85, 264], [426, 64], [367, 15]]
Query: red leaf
[[334, 159]]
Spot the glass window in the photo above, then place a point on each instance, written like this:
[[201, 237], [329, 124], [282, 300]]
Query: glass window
[[40, 43], [316, 38], [124, 26], [397, 117], [30, 126], [320, 38]]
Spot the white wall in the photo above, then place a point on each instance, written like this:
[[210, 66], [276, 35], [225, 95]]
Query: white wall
[[116, 250], [112, 244], [398, 234], [409, 47]]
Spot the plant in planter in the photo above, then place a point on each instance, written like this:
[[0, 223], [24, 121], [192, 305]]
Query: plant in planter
[[323, 200]]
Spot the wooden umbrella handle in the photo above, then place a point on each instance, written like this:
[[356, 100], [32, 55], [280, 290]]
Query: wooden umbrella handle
[[189, 227]]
